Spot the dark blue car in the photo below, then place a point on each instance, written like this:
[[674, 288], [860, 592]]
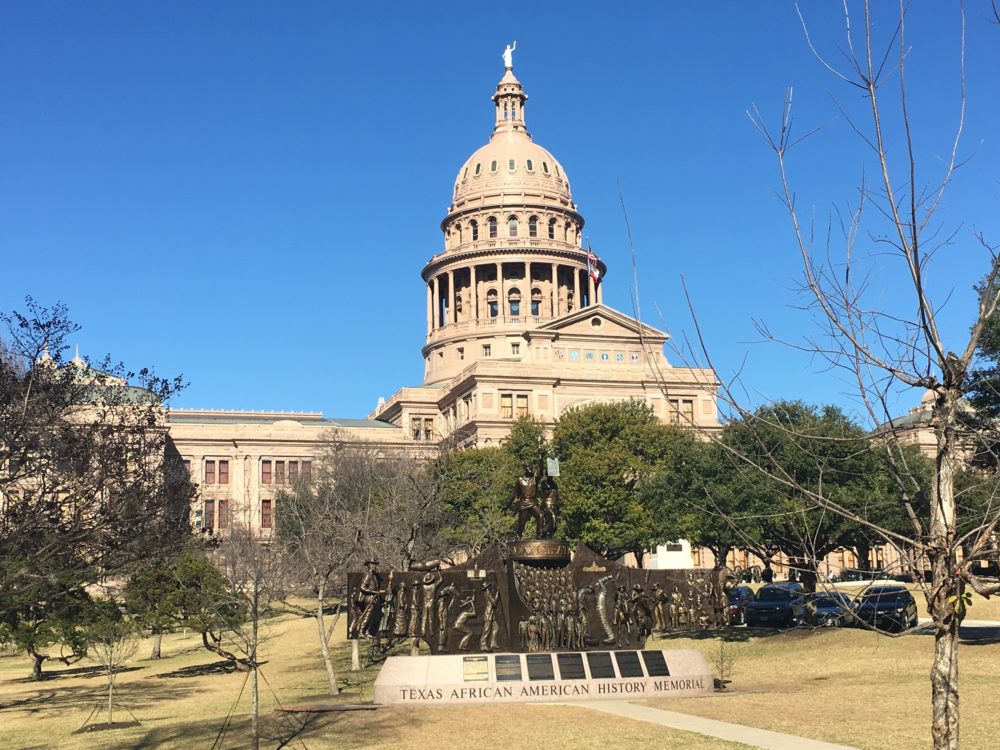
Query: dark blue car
[[775, 606], [889, 608]]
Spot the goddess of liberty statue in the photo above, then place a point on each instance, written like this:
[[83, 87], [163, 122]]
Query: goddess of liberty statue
[[508, 55]]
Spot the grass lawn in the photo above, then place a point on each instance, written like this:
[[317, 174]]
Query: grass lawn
[[183, 699], [847, 686]]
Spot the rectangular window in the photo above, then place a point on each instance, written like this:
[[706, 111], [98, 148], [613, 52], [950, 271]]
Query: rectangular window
[[461, 354], [428, 429], [536, 307], [209, 514], [293, 471], [515, 348], [506, 406], [223, 472], [522, 405], [416, 425], [266, 519], [265, 472], [187, 467], [279, 472], [210, 472], [223, 513], [487, 350], [680, 411], [307, 471]]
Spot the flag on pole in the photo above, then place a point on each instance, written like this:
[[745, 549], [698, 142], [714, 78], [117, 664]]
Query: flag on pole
[[592, 268]]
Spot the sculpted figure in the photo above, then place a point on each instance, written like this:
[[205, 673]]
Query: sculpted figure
[[491, 628], [678, 608], [445, 598], [367, 601], [429, 585], [399, 626], [550, 507], [414, 625], [526, 495], [508, 55], [659, 608], [583, 597], [623, 625], [602, 610], [467, 610]]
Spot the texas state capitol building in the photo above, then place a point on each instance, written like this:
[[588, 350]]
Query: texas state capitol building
[[515, 326]]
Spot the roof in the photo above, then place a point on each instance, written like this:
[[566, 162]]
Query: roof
[[314, 419]]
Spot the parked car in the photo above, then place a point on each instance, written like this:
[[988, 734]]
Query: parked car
[[886, 608], [739, 597], [791, 586], [775, 605], [831, 608]]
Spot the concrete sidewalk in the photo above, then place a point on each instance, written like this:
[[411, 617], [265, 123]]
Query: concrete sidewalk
[[722, 730]]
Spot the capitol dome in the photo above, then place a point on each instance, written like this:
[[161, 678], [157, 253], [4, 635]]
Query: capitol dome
[[511, 164]]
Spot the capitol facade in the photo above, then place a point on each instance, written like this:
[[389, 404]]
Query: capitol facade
[[516, 326]]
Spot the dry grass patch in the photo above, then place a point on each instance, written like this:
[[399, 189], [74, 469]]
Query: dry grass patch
[[846, 686]]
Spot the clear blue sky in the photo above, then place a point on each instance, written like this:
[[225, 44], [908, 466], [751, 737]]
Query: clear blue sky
[[245, 192]]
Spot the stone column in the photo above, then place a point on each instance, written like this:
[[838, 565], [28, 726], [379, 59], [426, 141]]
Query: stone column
[[591, 295], [576, 289], [501, 293], [437, 303], [600, 291], [473, 293], [430, 308], [526, 294], [554, 292], [452, 317]]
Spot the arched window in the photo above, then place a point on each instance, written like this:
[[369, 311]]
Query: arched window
[[512, 226], [533, 226], [491, 303], [474, 228], [545, 168], [458, 233], [531, 165], [491, 223], [536, 302], [552, 229], [493, 166], [511, 165], [476, 173], [514, 302], [566, 232]]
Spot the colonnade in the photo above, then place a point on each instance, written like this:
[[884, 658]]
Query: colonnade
[[481, 292]]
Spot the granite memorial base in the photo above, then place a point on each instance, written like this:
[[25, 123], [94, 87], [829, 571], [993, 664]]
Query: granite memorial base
[[542, 677]]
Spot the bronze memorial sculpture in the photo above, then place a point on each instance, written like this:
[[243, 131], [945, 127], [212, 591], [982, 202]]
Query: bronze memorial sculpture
[[532, 594]]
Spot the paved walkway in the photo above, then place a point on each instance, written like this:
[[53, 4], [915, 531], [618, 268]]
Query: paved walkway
[[722, 730]]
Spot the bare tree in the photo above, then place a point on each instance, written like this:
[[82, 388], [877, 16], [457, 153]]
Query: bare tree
[[112, 643], [896, 220], [358, 505]]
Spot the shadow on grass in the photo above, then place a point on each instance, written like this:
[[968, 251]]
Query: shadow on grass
[[735, 635], [223, 666], [979, 636], [136, 696], [84, 672], [281, 730]]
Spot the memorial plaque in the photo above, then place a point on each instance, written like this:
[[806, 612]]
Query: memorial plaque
[[540, 667], [475, 669], [508, 667], [571, 666], [656, 665], [600, 664], [628, 664]]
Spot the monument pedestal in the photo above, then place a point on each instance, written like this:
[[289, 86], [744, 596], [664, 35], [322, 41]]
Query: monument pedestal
[[542, 677]]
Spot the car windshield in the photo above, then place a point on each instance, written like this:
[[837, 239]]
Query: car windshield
[[827, 601], [774, 595], [874, 595]]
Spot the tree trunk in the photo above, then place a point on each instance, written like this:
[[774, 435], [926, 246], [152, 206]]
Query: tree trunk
[[36, 663], [157, 639], [945, 583], [216, 649], [111, 688], [254, 623], [862, 552], [324, 646]]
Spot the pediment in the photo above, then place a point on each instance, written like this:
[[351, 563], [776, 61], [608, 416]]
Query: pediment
[[599, 322]]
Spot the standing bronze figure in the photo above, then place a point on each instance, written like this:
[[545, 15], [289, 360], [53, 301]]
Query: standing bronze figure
[[659, 608], [429, 586], [367, 601], [550, 507], [445, 597], [526, 495], [467, 610], [491, 628]]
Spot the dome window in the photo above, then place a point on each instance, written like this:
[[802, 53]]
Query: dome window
[[493, 166], [531, 166], [514, 302], [511, 165], [491, 224], [533, 226], [474, 229], [552, 229], [476, 172], [512, 226], [491, 303], [545, 167], [465, 175], [536, 302]]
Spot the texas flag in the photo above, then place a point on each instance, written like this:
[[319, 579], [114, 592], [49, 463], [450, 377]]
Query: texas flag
[[592, 268]]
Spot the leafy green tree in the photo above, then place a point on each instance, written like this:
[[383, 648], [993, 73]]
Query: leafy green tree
[[526, 443], [477, 486], [150, 598], [609, 453]]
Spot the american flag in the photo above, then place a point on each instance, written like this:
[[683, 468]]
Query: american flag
[[592, 268]]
